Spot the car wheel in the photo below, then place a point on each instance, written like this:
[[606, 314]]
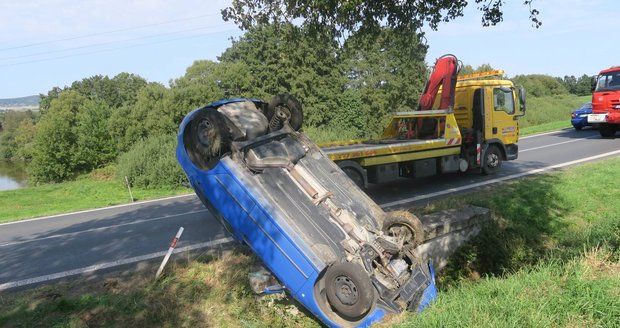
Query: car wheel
[[578, 127], [404, 226], [284, 107], [207, 138], [349, 290], [608, 130], [491, 160]]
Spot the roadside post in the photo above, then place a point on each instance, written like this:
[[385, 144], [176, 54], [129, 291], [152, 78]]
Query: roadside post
[[167, 257]]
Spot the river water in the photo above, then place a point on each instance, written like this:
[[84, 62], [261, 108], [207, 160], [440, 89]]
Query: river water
[[12, 175]]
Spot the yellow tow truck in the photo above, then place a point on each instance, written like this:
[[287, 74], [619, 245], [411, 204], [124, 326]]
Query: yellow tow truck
[[478, 130]]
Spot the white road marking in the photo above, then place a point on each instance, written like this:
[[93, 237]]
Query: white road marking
[[99, 209], [551, 145], [488, 182], [100, 228], [542, 134], [107, 265]]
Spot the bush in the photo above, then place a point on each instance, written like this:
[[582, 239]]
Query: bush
[[151, 163]]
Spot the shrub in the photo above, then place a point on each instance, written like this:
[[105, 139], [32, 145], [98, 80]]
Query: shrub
[[151, 163]]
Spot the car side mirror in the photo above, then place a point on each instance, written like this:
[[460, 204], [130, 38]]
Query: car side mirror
[[593, 83]]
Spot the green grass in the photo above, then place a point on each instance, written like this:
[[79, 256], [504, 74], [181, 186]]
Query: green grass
[[206, 292], [549, 258], [553, 109], [89, 191]]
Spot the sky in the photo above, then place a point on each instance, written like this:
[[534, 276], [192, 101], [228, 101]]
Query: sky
[[51, 43]]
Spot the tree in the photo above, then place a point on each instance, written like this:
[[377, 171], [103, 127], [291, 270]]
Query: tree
[[539, 85], [344, 18], [389, 72], [288, 59], [583, 86], [94, 146], [54, 150]]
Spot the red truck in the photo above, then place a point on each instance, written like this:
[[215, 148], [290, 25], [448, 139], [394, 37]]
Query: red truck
[[606, 101]]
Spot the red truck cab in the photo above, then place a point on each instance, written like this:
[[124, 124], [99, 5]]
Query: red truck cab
[[606, 101]]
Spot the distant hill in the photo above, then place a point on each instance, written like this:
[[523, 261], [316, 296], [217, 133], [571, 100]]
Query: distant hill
[[30, 102]]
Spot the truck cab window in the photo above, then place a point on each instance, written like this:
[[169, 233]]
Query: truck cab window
[[503, 100]]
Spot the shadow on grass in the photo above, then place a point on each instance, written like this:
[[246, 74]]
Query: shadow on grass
[[528, 216], [210, 291]]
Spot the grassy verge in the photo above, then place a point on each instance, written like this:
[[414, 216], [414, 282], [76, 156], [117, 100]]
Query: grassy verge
[[89, 191], [206, 292], [550, 113], [550, 258]]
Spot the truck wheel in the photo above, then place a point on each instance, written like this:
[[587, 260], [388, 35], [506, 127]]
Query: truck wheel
[[354, 175], [607, 130], [207, 138], [405, 226], [284, 107], [491, 160], [349, 290]]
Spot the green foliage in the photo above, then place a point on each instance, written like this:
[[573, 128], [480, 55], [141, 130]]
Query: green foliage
[[94, 146], [578, 86], [362, 16], [538, 85], [548, 109], [15, 124], [152, 163], [55, 142]]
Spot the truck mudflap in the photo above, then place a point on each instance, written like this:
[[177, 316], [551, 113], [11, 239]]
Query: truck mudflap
[[512, 152]]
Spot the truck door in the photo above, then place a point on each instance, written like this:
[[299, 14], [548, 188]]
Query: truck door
[[499, 121]]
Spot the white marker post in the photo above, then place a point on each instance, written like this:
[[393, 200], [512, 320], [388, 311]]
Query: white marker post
[[174, 243]]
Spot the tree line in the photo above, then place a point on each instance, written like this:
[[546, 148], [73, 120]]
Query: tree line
[[348, 89]]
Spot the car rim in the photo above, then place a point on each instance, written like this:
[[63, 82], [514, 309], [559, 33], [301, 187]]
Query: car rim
[[346, 291]]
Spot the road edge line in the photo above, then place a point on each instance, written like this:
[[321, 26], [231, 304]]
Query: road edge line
[[492, 181], [97, 209], [107, 265]]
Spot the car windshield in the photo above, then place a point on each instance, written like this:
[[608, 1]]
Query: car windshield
[[608, 81], [586, 106]]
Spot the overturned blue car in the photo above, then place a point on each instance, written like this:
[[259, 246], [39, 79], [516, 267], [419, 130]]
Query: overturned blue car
[[332, 248]]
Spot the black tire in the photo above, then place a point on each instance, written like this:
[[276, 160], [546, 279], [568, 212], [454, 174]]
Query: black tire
[[491, 160], [405, 225], [608, 130], [355, 176], [290, 107], [207, 138], [349, 290], [578, 127]]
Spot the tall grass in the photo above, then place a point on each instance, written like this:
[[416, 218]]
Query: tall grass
[[551, 109]]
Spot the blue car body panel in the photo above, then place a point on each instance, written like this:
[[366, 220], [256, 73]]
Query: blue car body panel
[[294, 238], [579, 118]]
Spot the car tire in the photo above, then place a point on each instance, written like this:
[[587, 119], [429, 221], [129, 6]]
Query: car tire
[[289, 108], [349, 290], [404, 225], [491, 160], [207, 138], [578, 127]]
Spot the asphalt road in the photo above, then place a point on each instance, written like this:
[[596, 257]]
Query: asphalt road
[[39, 250]]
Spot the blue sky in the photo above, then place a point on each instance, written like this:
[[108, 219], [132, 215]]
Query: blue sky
[[55, 42]]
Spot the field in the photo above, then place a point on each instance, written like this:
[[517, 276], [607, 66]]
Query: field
[[550, 258]]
